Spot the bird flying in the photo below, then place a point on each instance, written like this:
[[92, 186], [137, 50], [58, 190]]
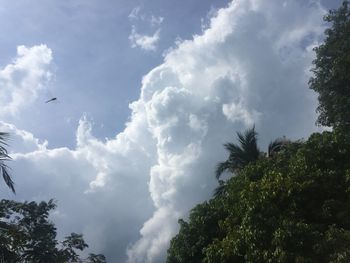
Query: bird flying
[[50, 100]]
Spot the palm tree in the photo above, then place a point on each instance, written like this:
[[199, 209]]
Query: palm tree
[[241, 154], [244, 153], [277, 145], [3, 158]]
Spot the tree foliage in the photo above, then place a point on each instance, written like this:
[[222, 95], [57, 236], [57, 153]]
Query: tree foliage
[[244, 153], [292, 207], [332, 70], [27, 235], [198, 233]]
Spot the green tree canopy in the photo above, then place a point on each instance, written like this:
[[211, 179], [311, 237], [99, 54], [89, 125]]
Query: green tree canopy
[[292, 207], [332, 70], [27, 235], [197, 233]]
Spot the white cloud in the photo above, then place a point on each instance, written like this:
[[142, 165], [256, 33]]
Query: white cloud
[[146, 42], [134, 14], [250, 66], [101, 191], [22, 141], [22, 80], [156, 20]]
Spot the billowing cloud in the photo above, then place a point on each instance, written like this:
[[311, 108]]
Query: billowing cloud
[[250, 66], [100, 190], [22, 80], [125, 194], [22, 141]]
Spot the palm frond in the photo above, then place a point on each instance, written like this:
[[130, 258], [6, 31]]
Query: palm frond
[[276, 146], [240, 154], [221, 189], [241, 138], [221, 168], [7, 178], [249, 145], [4, 137], [237, 157], [5, 157], [233, 148], [3, 143]]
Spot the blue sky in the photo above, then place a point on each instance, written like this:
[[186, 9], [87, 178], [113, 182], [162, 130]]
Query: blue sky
[[97, 72], [148, 92]]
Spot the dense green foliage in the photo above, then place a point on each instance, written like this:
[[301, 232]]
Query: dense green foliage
[[27, 235], [331, 68], [198, 233], [289, 205], [292, 207]]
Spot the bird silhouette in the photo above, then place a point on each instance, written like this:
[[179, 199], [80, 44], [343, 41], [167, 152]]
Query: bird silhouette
[[50, 100]]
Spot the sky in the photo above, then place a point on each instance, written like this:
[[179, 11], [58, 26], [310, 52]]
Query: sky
[[147, 92]]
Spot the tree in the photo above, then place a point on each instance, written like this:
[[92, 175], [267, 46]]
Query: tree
[[247, 151], [3, 158], [26, 235], [332, 70], [241, 154], [244, 153], [292, 207], [198, 233], [277, 145]]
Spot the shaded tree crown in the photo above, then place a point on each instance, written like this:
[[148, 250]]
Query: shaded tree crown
[[331, 70]]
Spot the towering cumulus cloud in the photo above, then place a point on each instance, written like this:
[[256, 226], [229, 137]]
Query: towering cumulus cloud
[[21, 81], [250, 66]]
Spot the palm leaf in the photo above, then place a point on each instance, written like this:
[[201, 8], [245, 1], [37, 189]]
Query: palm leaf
[[221, 189], [5, 157], [249, 146], [276, 146], [7, 178], [240, 154], [237, 156], [221, 168]]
